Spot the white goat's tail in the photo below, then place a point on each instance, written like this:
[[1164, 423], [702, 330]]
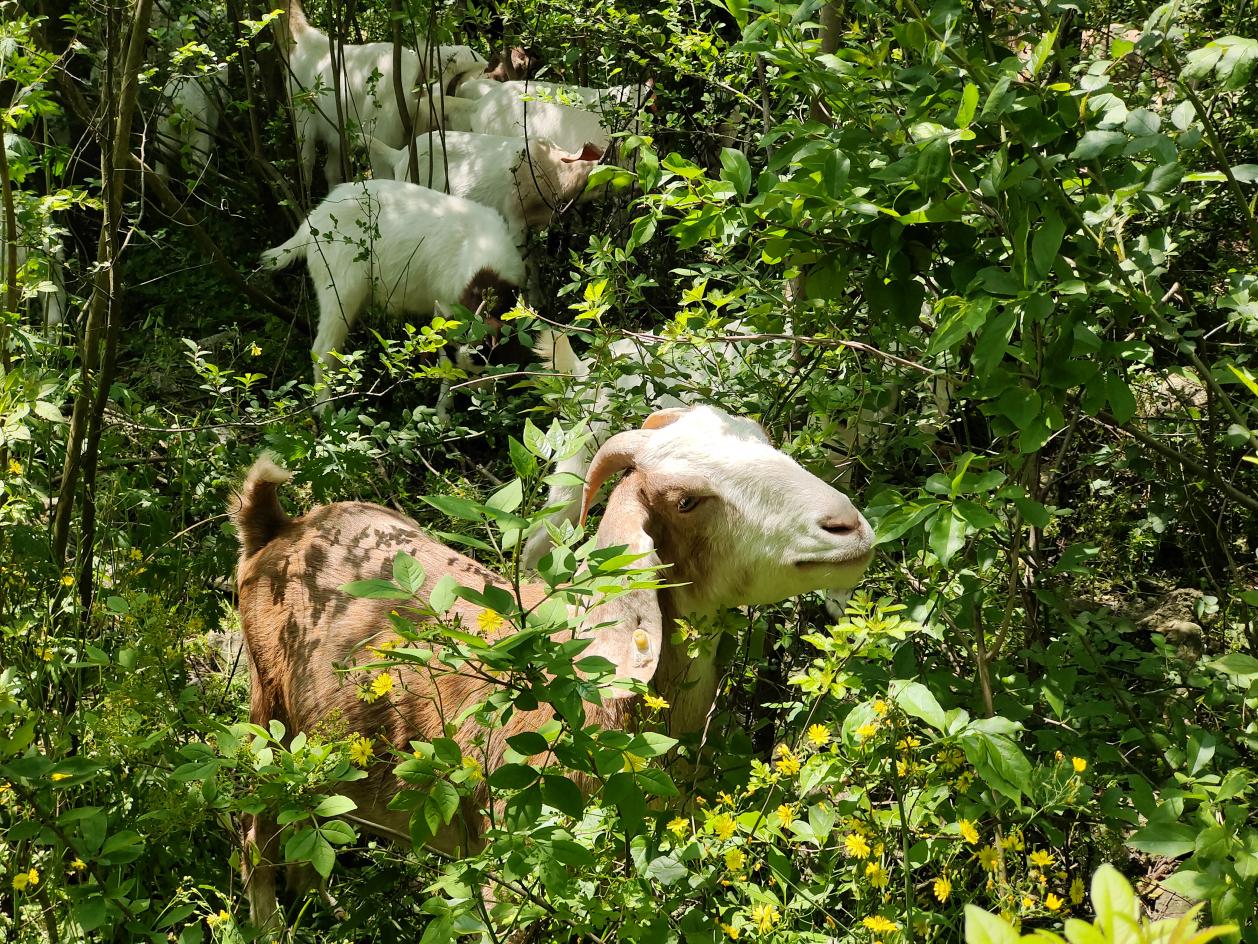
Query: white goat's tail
[[292, 27], [285, 254], [555, 351]]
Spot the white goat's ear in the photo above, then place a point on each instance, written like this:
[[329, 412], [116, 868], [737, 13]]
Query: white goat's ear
[[634, 635]]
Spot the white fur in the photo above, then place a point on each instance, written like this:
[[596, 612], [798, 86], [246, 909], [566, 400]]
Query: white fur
[[545, 110], [496, 171], [368, 98], [187, 120], [401, 246]]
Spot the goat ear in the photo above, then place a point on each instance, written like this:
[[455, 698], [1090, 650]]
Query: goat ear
[[630, 626]]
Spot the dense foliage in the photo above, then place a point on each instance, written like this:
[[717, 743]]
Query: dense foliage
[[992, 268]]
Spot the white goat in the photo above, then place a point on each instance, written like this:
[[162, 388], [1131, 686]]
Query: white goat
[[527, 185], [187, 120], [404, 247], [368, 98], [543, 110], [734, 520]]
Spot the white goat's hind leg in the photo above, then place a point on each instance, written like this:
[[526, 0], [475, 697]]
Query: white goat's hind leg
[[333, 330]]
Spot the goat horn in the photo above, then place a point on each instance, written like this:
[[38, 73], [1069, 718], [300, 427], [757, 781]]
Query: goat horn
[[617, 454], [621, 451]]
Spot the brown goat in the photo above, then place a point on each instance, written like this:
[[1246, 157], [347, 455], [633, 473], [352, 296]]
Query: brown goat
[[734, 520]]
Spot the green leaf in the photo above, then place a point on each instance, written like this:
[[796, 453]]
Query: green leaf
[[736, 170], [335, 805], [666, 870], [1116, 905], [1095, 143], [1045, 245], [408, 573], [512, 777], [947, 534], [915, 699], [1122, 402], [1195, 886], [998, 761], [460, 508], [375, 590], [982, 927], [1236, 663], [564, 795], [445, 798], [969, 105], [443, 594], [1164, 838], [834, 173], [322, 856]]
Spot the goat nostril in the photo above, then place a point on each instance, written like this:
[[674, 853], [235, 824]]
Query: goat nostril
[[839, 527]]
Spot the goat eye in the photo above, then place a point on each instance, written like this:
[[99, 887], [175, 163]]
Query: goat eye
[[689, 503]]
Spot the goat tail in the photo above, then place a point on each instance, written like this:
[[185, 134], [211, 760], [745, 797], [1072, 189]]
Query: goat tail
[[293, 26], [256, 508], [283, 255], [556, 353]]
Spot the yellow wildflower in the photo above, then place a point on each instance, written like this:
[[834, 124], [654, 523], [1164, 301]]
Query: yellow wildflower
[[1052, 902], [735, 860], [15, 467], [255, 350], [654, 702], [968, 832], [723, 826], [903, 767], [1079, 764], [20, 881], [1027, 902], [731, 932], [951, 759], [786, 815], [489, 621], [880, 925], [819, 735], [989, 858], [907, 743], [474, 772], [679, 827], [876, 875], [221, 918], [360, 750], [1041, 859], [724, 799], [964, 781], [943, 888], [857, 846], [765, 917], [67, 581], [866, 731], [78, 865], [1076, 891], [1014, 841], [59, 777], [787, 762], [880, 706], [137, 554], [382, 684]]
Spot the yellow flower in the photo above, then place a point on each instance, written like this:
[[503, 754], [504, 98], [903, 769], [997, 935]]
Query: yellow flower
[[880, 706], [943, 888], [360, 750], [15, 467], [951, 759], [989, 858], [474, 772], [731, 932], [857, 846], [866, 731], [78, 865], [58, 777], [907, 743], [787, 762], [1041, 859], [819, 735], [968, 832], [489, 621], [679, 827], [1076, 891], [876, 875], [1052, 902], [137, 554], [381, 685], [67, 581], [1079, 764], [786, 815], [724, 799], [903, 767], [964, 781], [880, 925], [255, 350], [215, 920], [1014, 841], [765, 917], [735, 860], [1027, 902], [24, 879], [654, 702], [723, 826]]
